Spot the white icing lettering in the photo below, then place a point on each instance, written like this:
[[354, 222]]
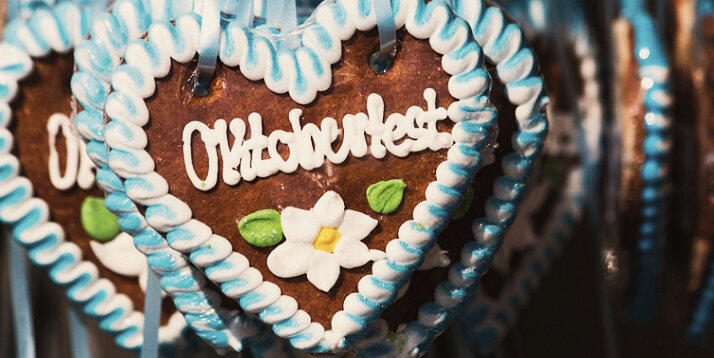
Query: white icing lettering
[[310, 145], [78, 166]]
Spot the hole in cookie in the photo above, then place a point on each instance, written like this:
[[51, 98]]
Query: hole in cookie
[[381, 60]]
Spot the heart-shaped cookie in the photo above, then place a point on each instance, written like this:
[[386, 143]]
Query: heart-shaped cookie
[[342, 194], [476, 232], [49, 196], [641, 90], [554, 203]]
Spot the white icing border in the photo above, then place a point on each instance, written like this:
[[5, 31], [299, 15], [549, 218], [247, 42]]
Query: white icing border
[[58, 29], [500, 313], [165, 212]]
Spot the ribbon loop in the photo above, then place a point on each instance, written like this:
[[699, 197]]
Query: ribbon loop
[[382, 59], [152, 316], [216, 14], [78, 333], [20, 298], [208, 41]]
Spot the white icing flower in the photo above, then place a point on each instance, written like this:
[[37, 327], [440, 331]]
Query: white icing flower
[[521, 235], [320, 240], [121, 256]]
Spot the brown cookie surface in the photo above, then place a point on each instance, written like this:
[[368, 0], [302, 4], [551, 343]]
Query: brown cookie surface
[[629, 107], [416, 68], [45, 92]]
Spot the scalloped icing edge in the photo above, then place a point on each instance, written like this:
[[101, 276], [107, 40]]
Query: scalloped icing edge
[[58, 29], [96, 58], [504, 45], [485, 320], [214, 253], [657, 144]]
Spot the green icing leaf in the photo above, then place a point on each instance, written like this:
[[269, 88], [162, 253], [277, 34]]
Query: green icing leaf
[[261, 228], [384, 197], [97, 221], [465, 204]]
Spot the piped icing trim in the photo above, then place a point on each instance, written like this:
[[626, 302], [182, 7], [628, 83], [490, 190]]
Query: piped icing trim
[[654, 74], [301, 72], [57, 28], [95, 59], [485, 321], [504, 45]]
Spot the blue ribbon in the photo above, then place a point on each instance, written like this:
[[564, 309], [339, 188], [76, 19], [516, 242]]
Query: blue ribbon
[[13, 9], [289, 20], [152, 316], [214, 15], [208, 41], [20, 297], [382, 59], [78, 334], [704, 7], [282, 14], [245, 12], [274, 12]]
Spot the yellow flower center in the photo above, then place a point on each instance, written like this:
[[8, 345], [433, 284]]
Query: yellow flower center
[[327, 239]]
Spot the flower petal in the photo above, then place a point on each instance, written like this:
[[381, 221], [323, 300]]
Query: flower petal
[[290, 259], [352, 253], [329, 209], [120, 255], [356, 225], [323, 271], [299, 225]]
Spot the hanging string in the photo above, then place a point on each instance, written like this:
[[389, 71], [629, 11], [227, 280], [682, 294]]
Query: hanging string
[[5, 305], [274, 12], [216, 14], [282, 15], [78, 333], [208, 41], [13, 9], [152, 316], [381, 60], [20, 297], [244, 12], [289, 21]]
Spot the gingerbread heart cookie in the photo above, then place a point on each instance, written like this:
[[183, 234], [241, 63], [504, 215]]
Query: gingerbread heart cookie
[[50, 200], [354, 167], [554, 203], [477, 229]]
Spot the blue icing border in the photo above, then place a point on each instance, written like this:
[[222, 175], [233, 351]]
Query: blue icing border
[[169, 214], [28, 217], [96, 58], [504, 45], [653, 65], [485, 321], [704, 7]]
